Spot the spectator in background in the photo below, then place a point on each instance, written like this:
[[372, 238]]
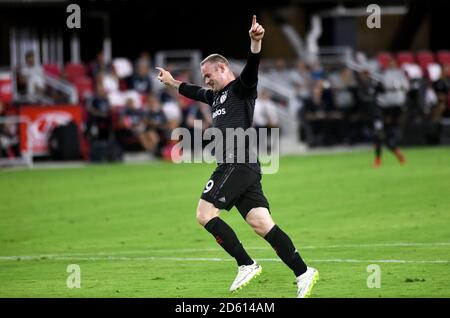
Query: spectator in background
[[109, 82], [395, 87], [9, 138], [100, 130], [301, 79], [129, 124], [100, 65], [173, 113], [442, 88], [31, 77], [130, 117], [281, 67], [317, 71], [265, 116], [99, 122], [140, 80], [200, 112], [280, 72], [430, 99], [146, 58], [315, 114], [155, 133], [343, 86]]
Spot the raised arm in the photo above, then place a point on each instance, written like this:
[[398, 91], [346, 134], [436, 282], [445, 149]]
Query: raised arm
[[190, 91], [249, 75]]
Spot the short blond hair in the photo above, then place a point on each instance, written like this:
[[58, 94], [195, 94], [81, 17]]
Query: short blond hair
[[215, 58]]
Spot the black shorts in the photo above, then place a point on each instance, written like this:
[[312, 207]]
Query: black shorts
[[235, 185]]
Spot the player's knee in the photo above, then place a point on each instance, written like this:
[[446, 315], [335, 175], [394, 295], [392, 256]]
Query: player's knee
[[260, 226], [260, 221], [204, 215], [202, 218]]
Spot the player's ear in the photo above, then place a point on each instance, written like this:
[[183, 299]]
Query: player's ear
[[221, 67]]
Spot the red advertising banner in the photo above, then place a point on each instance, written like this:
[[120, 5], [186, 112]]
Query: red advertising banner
[[43, 120], [6, 87]]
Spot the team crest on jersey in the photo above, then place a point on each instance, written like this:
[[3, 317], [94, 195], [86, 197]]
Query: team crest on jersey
[[223, 97]]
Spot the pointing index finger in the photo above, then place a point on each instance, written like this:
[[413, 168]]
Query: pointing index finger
[[254, 20]]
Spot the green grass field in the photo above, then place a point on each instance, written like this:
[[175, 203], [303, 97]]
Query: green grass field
[[132, 229]]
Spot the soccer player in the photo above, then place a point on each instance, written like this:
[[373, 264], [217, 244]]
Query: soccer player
[[385, 123], [232, 102]]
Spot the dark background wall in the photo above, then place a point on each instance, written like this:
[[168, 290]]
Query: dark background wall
[[221, 26]]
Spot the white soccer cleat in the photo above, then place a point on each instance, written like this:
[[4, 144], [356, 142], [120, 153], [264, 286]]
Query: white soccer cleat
[[245, 275], [306, 281]]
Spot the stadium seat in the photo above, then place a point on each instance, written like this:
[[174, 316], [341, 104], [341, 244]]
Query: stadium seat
[[6, 88], [424, 58], [383, 59], [74, 70], [405, 57], [52, 69], [443, 57]]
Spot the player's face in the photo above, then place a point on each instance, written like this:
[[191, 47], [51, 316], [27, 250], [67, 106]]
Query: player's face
[[212, 75]]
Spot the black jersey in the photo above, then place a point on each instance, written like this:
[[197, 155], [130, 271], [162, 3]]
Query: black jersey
[[366, 93], [232, 107]]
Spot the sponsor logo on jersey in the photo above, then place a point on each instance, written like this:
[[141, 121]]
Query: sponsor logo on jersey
[[220, 99], [219, 112], [223, 98]]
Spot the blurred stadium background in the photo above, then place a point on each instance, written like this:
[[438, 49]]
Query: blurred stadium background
[[90, 95], [102, 74]]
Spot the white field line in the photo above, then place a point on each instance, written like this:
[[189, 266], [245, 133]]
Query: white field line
[[115, 255], [214, 249], [213, 259]]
